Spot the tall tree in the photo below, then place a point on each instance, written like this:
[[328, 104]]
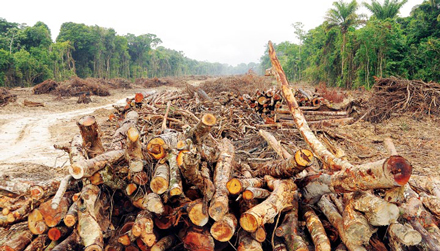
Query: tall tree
[[389, 9], [344, 16]]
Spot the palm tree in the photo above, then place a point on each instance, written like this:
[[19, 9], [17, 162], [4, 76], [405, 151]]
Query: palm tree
[[389, 9], [344, 16]]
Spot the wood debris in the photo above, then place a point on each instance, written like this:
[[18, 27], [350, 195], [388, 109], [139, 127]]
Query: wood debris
[[176, 171]]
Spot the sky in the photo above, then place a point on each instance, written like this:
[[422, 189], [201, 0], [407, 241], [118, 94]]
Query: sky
[[225, 31]]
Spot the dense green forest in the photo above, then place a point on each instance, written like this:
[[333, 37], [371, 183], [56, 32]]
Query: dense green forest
[[28, 55], [350, 50]]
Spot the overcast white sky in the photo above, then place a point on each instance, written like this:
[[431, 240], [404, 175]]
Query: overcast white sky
[[225, 31]]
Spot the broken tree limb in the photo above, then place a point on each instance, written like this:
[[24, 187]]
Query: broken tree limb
[[247, 243], [18, 237], [120, 136], [377, 211], [255, 193], [189, 164], [284, 168], [316, 230], [61, 190], [175, 187], [220, 202], [87, 168], [198, 132], [280, 199], [89, 229], [275, 144], [393, 172], [133, 153], [70, 243], [336, 220], [317, 147], [164, 244], [90, 134], [289, 228]]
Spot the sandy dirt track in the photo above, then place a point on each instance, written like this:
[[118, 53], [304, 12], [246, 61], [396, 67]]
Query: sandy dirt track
[[27, 134]]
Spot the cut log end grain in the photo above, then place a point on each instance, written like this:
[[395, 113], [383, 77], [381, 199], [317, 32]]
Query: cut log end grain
[[148, 238], [197, 214], [234, 186], [224, 229], [76, 171], [87, 121], [259, 235], [303, 157], [400, 168], [208, 119], [156, 148], [249, 222], [93, 248], [133, 134], [131, 188], [164, 244]]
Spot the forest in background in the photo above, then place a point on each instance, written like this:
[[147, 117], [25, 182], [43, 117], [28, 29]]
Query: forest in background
[[28, 55], [347, 50], [350, 50]]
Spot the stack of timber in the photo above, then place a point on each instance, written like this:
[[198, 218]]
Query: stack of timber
[[316, 109], [181, 173]]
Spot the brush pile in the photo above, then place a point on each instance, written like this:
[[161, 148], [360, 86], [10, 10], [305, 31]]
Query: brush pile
[[156, 82], [392, 96], [178, 173], [6, 97], [76, 87]]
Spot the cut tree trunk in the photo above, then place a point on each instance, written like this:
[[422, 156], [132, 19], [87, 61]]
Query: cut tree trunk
[[86, 168], [220, 202], [238, 185], [280, 199], [199, 132], [91, 136], [224, 229], [133, 152], [161, 179], [393, 172]]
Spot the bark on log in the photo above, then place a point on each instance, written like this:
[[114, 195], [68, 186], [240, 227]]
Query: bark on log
[[255, 193], [220, 202], [356, 227], [197, 213], [247, 243], [377, 211], [401, 174], [133, 153], [90, 134], [86, 168], [68, 244], [18, 237], [432, 203], [38, 243], [224, 229], [394, 172], [289, 229], [176, 188], [164, 244], [57, 232], [199, 132], [273, 142], [426, 184], [336, 220], [61, 190], [316, 230], [120, 136], [403, 234], [189, 162], [153, 203], [89, 229], [72, 215], [160, 181], [143, 223], [259, 235], [280, 199], [285, 168], [238, 185]]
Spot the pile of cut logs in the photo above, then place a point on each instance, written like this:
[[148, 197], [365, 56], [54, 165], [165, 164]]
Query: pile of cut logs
[[168, 179], [269, 104]]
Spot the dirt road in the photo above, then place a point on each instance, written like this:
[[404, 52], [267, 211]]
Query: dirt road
[[27, 134]]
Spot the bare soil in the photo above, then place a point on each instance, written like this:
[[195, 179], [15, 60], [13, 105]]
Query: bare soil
[[27, 134]]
